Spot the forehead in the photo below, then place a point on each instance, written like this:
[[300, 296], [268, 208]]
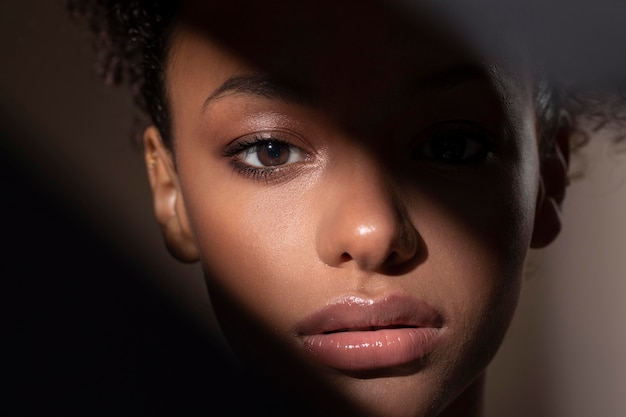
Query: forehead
[[330, 48], [357, 62]]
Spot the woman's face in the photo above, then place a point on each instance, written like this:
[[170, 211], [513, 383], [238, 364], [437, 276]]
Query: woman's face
[[363, 230]]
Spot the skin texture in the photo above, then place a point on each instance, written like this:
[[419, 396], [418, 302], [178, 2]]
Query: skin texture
[[363, 209]]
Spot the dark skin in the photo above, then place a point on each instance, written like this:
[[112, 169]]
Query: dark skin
[[350, 215]]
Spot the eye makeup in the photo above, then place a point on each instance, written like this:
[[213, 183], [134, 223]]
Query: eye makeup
[[266, 156]]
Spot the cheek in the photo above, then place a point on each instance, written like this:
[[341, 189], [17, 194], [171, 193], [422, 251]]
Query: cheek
[[492, 237], [474, 269], [476, 257], [253, 246]]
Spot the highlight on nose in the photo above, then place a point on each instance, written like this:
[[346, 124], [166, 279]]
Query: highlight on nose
[[365, 223], [364, 230], [377, 248], [375, 237]]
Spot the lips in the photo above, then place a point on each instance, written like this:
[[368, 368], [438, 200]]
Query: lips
[[358, 334]]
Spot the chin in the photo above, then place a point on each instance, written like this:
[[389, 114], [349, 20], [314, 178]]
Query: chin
[[393, 393]]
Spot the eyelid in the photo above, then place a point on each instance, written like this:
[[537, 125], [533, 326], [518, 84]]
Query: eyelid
[[284, 137], [268, 173], [473, 131]]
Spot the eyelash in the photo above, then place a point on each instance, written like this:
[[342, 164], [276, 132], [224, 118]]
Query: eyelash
[[257, 173], [436, 134]]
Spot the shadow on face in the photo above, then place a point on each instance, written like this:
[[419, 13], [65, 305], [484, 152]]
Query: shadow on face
[[361, 192]]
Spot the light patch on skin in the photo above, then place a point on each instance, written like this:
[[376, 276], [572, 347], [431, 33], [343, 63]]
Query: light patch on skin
[[365, 230]]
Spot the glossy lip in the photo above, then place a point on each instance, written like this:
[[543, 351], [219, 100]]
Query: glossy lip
[[360, 334]]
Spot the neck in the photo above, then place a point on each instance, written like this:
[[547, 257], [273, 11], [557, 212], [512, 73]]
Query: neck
[[470, 402]]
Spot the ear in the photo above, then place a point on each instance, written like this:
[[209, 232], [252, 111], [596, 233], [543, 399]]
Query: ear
[[169, 206], [554, 181]]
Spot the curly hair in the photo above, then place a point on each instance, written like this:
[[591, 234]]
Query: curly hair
[[131, 39]]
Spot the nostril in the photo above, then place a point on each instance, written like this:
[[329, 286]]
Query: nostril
[[393, 259], [345, 257]]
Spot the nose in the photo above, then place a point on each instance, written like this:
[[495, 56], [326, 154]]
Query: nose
[[365, 223]]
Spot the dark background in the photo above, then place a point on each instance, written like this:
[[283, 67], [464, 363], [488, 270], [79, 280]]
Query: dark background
[[98, 320]]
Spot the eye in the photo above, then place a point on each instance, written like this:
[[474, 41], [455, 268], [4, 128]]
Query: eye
[[269, 153], [269, 156], [453, 144]]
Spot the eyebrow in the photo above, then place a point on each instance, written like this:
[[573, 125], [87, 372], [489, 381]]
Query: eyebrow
[[265, 86], [447, 79], [259, 85]]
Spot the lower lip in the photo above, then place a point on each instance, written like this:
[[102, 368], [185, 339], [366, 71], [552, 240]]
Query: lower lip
[[372, 350]]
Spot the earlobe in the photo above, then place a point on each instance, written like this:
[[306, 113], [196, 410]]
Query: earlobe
[[169, 207], [554, 181]]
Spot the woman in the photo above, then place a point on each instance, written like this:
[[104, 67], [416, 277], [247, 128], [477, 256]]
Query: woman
[[361, 190]]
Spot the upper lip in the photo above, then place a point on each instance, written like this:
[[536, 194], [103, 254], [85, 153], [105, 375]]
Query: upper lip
[[353, 313]]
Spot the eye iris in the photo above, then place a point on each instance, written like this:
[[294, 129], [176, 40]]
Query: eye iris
[[273, 153], [450, 147]]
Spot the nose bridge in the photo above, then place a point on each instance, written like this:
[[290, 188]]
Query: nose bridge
[[364, 221]]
